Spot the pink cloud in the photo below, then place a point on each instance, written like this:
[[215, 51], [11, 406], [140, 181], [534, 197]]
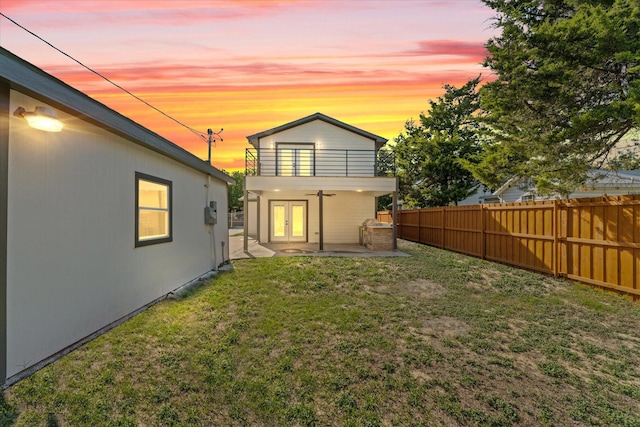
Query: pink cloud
[[157, 77], [449, 47], [152, 12]]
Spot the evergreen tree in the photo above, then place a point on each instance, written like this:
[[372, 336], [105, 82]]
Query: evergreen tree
[[431, 154], [567, 89]]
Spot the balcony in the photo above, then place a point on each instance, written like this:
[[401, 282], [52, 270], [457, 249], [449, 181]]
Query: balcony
[[316, 162]]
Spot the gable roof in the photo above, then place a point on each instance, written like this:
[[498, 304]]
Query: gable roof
[[24, 77], [510, 183], [255, 138]]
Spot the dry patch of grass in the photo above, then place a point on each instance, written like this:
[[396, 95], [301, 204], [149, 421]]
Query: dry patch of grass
[[435, 339]]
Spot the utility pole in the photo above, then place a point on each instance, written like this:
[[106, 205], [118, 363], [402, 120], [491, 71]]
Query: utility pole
[[212, 140]]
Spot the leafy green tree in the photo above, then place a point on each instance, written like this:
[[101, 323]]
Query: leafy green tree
[[385, 166], [431, 155], [567, 89], [236, 191]]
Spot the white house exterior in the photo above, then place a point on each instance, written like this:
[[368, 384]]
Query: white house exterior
[[316, 180], [96, 221], [481, 195]]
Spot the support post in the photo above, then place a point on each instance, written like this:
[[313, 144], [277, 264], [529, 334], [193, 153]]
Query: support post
[[245, 207], [394, 218], [258, 217], [321, 218]]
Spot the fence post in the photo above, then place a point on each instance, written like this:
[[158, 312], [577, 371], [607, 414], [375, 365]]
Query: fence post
[[482, 235], [442, 228], [419, 227], [555, 229]]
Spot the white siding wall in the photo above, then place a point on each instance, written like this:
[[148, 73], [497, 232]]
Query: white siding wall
[[312, 212], [72, 265], [252, 207], [343, 214], [325, 137]]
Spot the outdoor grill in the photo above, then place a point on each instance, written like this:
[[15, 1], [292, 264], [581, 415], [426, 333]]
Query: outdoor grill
[[376, 236]]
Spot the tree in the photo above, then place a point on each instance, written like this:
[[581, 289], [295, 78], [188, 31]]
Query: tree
[[567, 89], [385, 166], [430, 155], [626, 161], [236, 191]]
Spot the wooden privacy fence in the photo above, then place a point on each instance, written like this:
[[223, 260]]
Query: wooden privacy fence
[[591, 240]]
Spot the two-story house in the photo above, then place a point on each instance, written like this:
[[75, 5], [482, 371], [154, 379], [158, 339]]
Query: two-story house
[[316, 180]]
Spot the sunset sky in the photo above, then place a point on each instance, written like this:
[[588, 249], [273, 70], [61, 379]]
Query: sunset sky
[[250, 65]]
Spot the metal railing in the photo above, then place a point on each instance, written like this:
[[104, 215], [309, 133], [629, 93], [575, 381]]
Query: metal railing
[[313, 162]]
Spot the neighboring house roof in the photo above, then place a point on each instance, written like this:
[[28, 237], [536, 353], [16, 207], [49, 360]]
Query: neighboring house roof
[[36, 83], [510, 183], [606, 178], [255, 138], [598, 179]]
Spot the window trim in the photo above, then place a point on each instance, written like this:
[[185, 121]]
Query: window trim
[[150, 178]]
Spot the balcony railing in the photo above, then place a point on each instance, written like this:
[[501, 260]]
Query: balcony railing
[[313, 162]]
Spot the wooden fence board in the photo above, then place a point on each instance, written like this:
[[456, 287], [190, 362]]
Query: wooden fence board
[[593, 240]]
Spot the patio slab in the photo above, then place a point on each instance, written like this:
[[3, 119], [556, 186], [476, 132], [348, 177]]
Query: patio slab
[[267, 250]]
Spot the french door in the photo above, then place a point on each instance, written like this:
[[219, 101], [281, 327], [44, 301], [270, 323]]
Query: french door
[[288, 221], [295, 160]]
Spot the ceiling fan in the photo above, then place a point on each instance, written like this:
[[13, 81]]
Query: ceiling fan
[[318, 194]]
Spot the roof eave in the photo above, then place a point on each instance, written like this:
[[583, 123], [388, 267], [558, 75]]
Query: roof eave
[[36, 83], [255, 138]]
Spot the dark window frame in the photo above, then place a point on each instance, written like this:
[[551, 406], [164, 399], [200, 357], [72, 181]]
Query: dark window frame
[[169, 184]]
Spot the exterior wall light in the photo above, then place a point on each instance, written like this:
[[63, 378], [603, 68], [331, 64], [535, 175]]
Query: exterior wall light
[[43, 118]]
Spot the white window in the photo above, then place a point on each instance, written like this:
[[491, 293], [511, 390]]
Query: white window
[[153, 210]]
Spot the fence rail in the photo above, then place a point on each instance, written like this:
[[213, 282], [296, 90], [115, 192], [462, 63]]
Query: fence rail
[[591, 240]]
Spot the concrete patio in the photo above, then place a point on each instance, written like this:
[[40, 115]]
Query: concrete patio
[[267, 250]]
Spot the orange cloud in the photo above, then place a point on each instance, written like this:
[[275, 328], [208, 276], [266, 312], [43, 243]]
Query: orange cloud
[[271, 61], [262, 95]]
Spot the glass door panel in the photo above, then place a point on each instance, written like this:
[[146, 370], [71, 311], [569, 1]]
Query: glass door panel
[[279, 221], [297, 221]]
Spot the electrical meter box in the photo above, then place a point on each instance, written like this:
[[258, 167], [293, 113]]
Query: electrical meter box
[[211, 213]]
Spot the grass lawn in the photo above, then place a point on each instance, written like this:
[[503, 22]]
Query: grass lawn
[[434, 339]]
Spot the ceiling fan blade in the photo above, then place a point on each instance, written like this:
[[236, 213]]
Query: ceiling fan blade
[[324, 194]]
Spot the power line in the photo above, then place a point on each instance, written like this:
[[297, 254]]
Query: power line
[[195, 131]]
